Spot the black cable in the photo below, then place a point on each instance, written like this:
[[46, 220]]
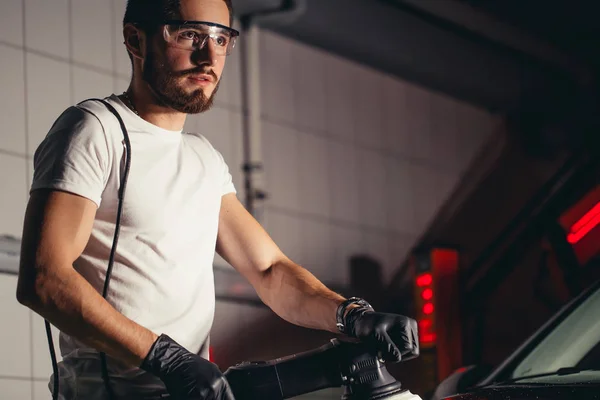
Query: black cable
[[122, 187], [53, 357]]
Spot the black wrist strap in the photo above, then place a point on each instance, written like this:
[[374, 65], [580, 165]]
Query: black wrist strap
[[341, 311]]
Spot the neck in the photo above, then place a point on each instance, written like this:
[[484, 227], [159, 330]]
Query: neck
[[151, 109]]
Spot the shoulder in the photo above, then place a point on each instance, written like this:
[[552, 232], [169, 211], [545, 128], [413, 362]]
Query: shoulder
[[77, 129], [201, 144], [197, 139]]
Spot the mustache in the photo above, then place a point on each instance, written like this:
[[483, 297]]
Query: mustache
[[195, 71]]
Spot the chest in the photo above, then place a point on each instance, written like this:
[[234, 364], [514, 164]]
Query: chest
[[171, 187]]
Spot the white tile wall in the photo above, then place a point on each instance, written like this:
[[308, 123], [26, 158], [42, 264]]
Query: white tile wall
[[346, 241], [286, 231], [41, 390], [309, 88], [47, 27], [15, 389], [376, 245], [396, 132], [399, 200], [344, 190], [12, 106], [371, 181], [368, 108], [48, 95], [230, 88], [424, 194], [418, 107], [120, 84], [443, 129], [122, 63], [399, 246], [11, 21], [42, 363], [277, 77], [92, 33], [15, 343], [341, 96], [90, 84], [281, 163], [316, 249], [13, 195], [314, 174]]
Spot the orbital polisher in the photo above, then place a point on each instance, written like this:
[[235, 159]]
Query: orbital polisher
[[355, 367]]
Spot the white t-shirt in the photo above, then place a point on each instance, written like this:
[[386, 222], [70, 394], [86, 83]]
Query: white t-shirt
[[162, 275]]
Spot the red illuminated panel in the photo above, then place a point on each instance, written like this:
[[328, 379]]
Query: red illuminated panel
[[424, 280], [427, 294], [211, 357], [426, 334], [589, 221], [428, 338], [428, 308]]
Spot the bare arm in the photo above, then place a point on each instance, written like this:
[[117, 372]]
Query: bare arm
[[56, 230], [289, 290]]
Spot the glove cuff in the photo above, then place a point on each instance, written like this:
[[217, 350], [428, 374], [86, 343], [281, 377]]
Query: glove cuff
[[342, 316], [163, 351]]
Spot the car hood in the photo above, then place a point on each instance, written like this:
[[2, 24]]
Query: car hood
[[582, 391]]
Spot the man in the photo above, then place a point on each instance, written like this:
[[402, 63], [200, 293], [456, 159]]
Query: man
[[180, 205]]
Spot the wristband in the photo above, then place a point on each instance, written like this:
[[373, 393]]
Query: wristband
[[341, 310]]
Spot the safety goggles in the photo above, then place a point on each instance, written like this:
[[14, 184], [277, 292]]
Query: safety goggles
[[194, 35]]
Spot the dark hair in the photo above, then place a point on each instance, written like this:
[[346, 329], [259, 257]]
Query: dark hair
[[148, 12]]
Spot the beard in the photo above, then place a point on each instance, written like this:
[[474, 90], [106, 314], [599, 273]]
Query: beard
[[164, 84]]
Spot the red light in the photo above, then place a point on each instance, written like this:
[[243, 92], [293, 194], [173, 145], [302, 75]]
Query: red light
[[211, 357], [585, 224], [428, 338], [427, 294], [424, 280], [428, 308], [425, 324]]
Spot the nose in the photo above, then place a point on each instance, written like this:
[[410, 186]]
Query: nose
[[206, 55]]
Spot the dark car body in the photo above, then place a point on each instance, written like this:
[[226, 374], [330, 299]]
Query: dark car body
[[528, 392], [559, 361]]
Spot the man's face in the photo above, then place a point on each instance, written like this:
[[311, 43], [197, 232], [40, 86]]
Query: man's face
[[173, 73]]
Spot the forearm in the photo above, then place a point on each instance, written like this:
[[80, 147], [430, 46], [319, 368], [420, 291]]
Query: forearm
[[299, 297], [68, 301]]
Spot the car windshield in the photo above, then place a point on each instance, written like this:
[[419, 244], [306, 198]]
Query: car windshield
[[573, 344]]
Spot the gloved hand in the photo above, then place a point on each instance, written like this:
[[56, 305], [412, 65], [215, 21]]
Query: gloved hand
[[186, 375], [396, 336]]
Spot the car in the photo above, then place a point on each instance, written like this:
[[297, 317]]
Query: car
[[561, 360]]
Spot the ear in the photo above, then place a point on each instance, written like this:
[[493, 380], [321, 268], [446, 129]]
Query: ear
[[134, 40]]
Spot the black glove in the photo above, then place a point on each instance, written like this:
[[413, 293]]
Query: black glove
[[185, 375], [395, 336]]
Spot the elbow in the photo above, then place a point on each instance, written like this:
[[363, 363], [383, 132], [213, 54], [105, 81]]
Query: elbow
[[27, 295], [30, 291]]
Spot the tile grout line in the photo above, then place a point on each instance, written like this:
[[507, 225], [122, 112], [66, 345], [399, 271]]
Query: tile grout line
[[322, 134], [113, 47], [25, 86], [27, 172], [54, 57], [336, 222], [71, 69]]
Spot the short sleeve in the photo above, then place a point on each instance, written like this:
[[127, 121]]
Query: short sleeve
[[225, 177], [73, 157]]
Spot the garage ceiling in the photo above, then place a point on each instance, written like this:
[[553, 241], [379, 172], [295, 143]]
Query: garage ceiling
[[429, 42]]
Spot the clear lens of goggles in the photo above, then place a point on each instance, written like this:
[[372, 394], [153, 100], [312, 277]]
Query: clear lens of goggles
[[194, 36]]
